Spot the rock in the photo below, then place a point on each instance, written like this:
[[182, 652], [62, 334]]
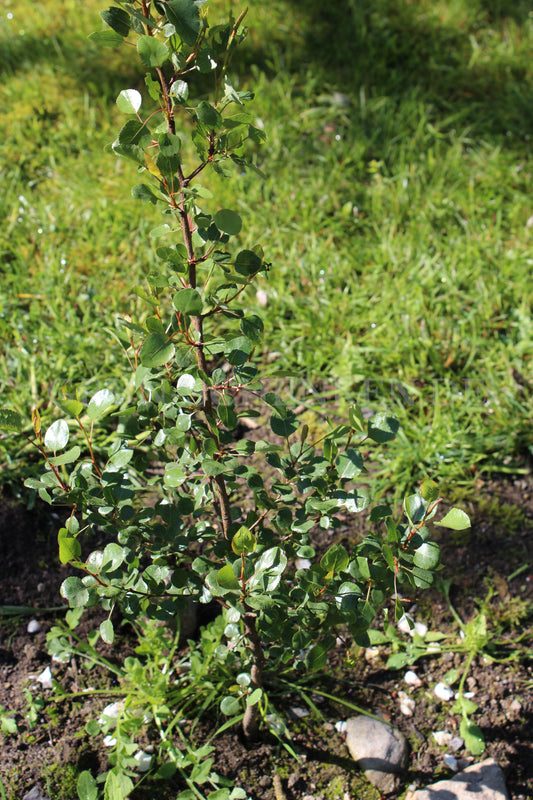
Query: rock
[[35, 794], [444, 692], [412, 679], [33, 626], [378, 749], [407, 704], [483, 781]]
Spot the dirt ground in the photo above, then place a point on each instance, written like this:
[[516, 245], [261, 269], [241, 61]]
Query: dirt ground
[[496, 553]]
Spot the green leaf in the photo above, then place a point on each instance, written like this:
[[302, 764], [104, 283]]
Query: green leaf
[[185, 16], [117, 787], [129, 101], [228, 221], [57, 435], [100, 403], [73, 590], [134, 132], [349, 464], [117, 19], [69, 547], [152, 52], [357, 421], [87, 786], [188, 301], [244, 542], [253, 328], [226, 578], [157, 349], [382, 427], [473, 737], [230, 706], [335, 559], [429, 490], [180, 91], [141, 191], [247, 262], [208, 116], [107, 631], [106, 38], [427, 555], [316, 658], [169, 144], [10, 420], [455, 519]]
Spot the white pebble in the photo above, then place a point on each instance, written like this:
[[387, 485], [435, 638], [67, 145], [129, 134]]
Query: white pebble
[[109, 741], [298, 713], [302, 563], [112, 711], [407, 704], [421, 629], [405, 623], [442, 738], [444, 692], [144, 760], [412, 679], [45, 678], [340, 726], [33, 626]]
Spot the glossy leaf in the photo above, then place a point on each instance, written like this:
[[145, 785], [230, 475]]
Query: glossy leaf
[[57, 435], [107, 631], [427, 555], [335, 559], [100, 403], [244, 542], [230, 706], [473, 737], [74, 591], [226, 578], [129, 101], [455, 519], [209, 116]]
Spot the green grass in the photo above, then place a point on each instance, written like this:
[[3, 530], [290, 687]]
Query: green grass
[[395, 211]]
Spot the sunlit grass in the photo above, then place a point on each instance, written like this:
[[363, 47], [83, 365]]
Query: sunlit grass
[[395, 210]]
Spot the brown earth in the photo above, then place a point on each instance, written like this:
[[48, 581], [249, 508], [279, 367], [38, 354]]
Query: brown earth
[[49, 749]]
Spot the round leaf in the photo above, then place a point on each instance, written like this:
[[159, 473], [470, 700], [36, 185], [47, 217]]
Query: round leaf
[[185, 16], [228, 221], [152, 52], [100, 403], [244, 541], [73, 590], [455, 519], [87, 786], [56, 437], [230, 706], [427, 556], [107, 632], [129, 101], [188, 301], [382, 427], [157, 349], [117, 19]]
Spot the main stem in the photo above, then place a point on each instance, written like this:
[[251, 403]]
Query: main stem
[[250, 723]]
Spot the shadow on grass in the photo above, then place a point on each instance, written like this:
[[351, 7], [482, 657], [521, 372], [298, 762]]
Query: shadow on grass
[[465, 68]]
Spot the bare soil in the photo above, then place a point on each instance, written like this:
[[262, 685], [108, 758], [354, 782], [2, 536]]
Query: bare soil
[[50, 751]]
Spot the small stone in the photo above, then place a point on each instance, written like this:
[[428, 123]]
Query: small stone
[[112, 711], [340, 726], [33, 626], [444, 692], [405, 623], [45, 678], [297, 713], [109, 741], [35, 794], [372, 653], [516, 706], [40, 587], [450, 761], [412, 679], [144, 760], [378, 749], [407, 704], [442, 738], [455, 744], [482, 781]]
